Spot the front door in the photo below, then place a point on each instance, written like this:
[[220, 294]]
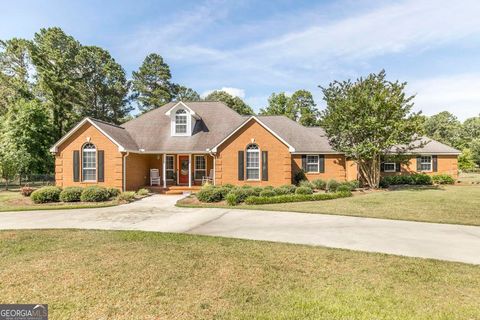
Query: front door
[[183, 170]]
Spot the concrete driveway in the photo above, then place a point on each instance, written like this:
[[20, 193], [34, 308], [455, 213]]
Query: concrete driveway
[[158, 213]]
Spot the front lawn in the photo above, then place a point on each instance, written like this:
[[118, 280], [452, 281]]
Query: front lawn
[[14, 201], [141, 275], [445, 204]]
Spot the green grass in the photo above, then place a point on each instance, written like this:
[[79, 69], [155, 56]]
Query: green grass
[[469, 178], [141, 275], [14, 201], [446, 204]]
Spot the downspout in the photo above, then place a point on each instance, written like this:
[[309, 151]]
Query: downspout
[[214, 164], [125, 171]]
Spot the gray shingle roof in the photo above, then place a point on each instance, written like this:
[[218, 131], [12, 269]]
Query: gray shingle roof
[[430, 146], [151, 131]]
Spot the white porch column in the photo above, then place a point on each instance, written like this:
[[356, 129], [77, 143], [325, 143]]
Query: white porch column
[[190, 170], [164, 170], [214, 169]]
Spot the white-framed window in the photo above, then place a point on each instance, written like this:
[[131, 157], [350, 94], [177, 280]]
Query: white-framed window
[[181, 122], [89, 163], [169, 167], [313, 163], [426, 163], [253, 162], [200, 167], [389, 167]]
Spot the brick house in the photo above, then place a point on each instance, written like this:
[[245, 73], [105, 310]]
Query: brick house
[[188, 141]]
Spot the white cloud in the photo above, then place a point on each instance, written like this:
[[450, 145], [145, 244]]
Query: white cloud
[[236, 92], [459, 94]]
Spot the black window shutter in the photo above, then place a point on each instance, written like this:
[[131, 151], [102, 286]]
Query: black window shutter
[[398, 167], [435, 163], [321, 159], [76, 166], [382, 166], [419, 163], [265, 165], [304, 162], [101, 166], [240, 165]]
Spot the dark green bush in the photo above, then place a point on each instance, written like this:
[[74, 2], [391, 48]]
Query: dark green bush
[[46, 194], [299, 176], [113, 192], [413, 179], [257, 190], [344, 188], [267, 193], [243, 193], [71, 194], [319, 184], [355, 184], [304, 190], [232, 199], [332, 185], [296, 198], [443, 179], [210, 193], [421, 179], [291, 187], [94, 194]]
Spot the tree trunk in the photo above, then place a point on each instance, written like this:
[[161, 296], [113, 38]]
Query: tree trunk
[[370, 171]]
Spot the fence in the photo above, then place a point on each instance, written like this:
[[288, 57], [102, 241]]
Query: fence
[[31, 180]]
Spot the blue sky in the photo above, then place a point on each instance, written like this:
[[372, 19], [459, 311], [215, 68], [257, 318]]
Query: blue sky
[[254, 48]]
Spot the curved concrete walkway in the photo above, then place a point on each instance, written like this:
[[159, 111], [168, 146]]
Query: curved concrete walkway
[[158, 213]]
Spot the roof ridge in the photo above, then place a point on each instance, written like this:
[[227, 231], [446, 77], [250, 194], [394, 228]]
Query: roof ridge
[[105, 122]]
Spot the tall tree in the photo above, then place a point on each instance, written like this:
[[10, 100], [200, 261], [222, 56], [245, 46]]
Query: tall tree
[[15, 65], [444, 127], [234, 103], [27, 135], [365, 119], [151, 84], [181, 93], [304, 107], [54, 55], [103, 86], [279, 104]]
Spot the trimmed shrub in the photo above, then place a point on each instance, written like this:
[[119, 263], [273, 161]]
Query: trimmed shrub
[[355, 184], [306, 183], [296, 198], [299, 176], [282, 190], [127, 196], [46, 194], [443, 179], [413, 179], [291, 187], [210, 194], [26, 191], [94, 194], [421, 179], [304, 190], [232, 199], [332, 185], [243, 193], [228, 186], [113, 192], [257, 190], [319, 184], [143, 192], [267, 193], [71, 194], [344, 188]]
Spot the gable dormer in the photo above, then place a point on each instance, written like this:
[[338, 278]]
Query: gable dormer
[[182, 120]]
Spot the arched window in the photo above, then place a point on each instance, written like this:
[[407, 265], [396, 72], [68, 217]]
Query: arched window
[[180, 121], [253, 162], [89, 162]]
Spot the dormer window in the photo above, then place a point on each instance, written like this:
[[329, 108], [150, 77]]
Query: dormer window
[[181, 123]]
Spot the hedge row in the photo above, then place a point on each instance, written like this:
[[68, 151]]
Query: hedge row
[[74, 194], [210, 193], [330, 185], [297, 198], [416, 179]]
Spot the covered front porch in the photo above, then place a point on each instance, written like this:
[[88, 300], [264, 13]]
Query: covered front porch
[[169, 171]]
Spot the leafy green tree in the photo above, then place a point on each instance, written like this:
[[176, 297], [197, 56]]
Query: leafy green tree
[[234, 103], [26, 135], [103, 86], [181, 93], [475, 149], [15, 64], [365, 119], [470, 130], [444, 127], [151, 84], [303, 106], [54, 55], [279, 105], [466, 160]]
